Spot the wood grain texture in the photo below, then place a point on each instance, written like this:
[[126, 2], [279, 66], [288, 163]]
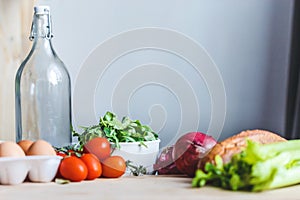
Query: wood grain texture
[[142, 187], [15, 23]]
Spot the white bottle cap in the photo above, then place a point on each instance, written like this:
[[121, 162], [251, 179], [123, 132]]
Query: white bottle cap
[[40, 10]]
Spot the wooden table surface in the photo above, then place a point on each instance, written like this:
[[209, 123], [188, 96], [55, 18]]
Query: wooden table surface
[[130, 187]]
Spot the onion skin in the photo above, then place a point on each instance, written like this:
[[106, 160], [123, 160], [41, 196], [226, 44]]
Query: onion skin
[[189, 149], [165, 162]]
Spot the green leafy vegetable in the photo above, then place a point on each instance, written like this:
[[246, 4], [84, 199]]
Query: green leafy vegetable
[[257, 168], [136, 170], [117, 131]]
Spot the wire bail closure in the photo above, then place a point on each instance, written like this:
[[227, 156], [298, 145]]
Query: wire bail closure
[[42, 10]]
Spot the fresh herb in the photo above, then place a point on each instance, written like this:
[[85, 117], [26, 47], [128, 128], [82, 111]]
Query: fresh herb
[[257, 168], [136, 170], [69, 150], [117, 131]]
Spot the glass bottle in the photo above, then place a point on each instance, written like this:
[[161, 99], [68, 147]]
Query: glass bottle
[[43, 88]]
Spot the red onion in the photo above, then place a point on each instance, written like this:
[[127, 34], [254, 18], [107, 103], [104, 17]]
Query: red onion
[[189, 149], [165, 162]]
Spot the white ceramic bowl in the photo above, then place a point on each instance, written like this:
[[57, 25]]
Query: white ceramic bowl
[[139, 154], [38, 168]]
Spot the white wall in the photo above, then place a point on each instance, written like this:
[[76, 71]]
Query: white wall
[[247, 40]]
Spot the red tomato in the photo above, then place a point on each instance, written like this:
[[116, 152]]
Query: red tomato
[[93, 166], [113, 167], [73, 169], [71, 152], [62, 154], [98, 146]]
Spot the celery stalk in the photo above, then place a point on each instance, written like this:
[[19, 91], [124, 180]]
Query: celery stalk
[[258, 167], [282, 178], [263, 152]]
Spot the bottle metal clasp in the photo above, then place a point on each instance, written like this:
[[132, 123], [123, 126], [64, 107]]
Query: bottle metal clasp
[[42, 10]]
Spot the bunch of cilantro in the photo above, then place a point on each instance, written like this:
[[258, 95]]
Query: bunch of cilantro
[[116, 131], [257, 168]]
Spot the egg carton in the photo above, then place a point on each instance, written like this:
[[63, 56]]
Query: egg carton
[[14, 170]]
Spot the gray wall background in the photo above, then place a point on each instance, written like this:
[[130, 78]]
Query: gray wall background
[[248, 41]]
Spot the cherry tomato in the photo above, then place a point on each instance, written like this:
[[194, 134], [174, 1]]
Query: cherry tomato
[[71, 152], [62, 154], [93, 165], [113, 167], [98, 146], [73, 169]]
